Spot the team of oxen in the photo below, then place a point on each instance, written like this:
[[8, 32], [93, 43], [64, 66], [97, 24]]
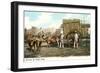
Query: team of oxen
[[35, 41]]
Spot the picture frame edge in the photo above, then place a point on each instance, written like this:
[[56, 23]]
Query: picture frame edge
[[14, 37]]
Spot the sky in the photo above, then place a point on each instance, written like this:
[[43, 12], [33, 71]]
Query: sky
[[51, 19]]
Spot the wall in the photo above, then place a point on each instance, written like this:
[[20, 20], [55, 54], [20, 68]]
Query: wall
[[5, 35]]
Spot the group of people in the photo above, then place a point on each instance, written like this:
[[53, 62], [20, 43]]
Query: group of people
[[36, 41], [60, 40]]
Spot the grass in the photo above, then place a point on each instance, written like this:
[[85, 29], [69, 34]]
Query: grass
[[83, 50]]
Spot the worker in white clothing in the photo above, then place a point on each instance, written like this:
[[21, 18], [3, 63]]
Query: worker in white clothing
[[76, 40], [62, 39]]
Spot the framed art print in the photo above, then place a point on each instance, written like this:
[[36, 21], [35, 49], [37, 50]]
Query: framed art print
[[52, 36]]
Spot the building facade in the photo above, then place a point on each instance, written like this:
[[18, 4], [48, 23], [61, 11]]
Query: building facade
[[72, 25]]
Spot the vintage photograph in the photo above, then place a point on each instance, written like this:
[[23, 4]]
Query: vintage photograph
[[52, 36], [56, 34]]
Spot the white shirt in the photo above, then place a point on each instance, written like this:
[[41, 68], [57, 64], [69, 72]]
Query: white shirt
[[76, 37], [62, 36]]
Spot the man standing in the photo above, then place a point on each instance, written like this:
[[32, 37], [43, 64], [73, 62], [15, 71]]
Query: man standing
[[62, 39], [76, 40]]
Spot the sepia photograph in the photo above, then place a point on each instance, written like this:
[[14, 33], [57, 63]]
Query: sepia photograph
[[56, 34]]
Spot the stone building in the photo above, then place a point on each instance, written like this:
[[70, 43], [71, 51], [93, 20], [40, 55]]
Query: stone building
[[31, 32], [71, 25], [85, 29]]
